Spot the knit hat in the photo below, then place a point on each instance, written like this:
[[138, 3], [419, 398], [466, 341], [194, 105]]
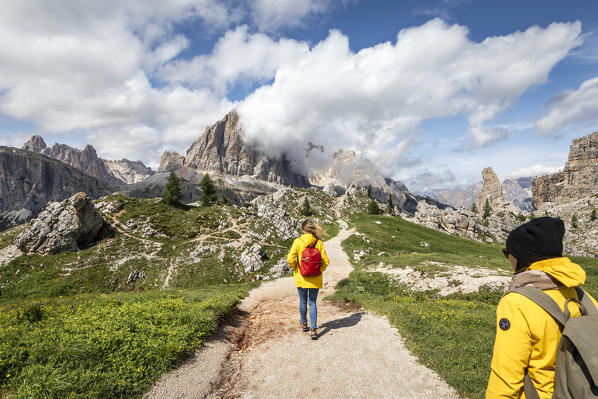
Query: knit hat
[[538, 239]]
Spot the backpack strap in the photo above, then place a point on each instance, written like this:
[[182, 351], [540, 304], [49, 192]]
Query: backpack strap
[[585, 300], [314, 244], [544, 301], [529, 388]]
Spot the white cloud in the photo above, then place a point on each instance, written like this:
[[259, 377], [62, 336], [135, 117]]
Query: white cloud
[[273, 14], [85, 65], [576, 107], [371, 99], [237, 57], [533, 171]]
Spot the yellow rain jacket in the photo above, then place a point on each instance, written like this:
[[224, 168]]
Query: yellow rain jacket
[[295, 253], [529, 337]]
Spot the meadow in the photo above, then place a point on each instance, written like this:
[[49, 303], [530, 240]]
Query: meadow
[[452, 335]]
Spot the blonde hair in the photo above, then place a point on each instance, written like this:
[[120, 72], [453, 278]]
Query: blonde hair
[[310, 227]]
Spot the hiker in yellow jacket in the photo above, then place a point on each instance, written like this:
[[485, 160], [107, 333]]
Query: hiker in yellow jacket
[[308, 287], [527, 336]]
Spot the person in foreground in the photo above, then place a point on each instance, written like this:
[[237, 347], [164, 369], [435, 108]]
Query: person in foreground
[[308, 260], [527, 336]]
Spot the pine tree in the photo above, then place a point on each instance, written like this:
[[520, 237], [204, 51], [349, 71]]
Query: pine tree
[[172, 191], [390, 209], [209, 195], [369, 191], [306, 208], [373, 208], [474, 208], [487, 209], [593, 215], [574, 221]]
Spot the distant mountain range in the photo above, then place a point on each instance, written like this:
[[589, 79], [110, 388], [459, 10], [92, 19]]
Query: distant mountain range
[[518, 191]]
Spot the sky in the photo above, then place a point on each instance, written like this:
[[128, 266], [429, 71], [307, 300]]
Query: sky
[[431, 91]]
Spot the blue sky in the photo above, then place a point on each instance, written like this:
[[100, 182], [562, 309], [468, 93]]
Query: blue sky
[[431, 91]]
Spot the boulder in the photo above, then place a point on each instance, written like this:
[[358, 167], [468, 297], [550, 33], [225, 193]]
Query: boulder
[[252, 258], [62, 226]]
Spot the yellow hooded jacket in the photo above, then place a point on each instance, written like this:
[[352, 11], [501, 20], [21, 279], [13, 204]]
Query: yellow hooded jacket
[[299, 245], [529, 337]]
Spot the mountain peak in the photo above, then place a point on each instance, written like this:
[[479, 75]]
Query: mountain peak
[[36, 144]]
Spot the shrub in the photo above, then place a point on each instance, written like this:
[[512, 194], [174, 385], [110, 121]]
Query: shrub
[[574, 221], [474, 208], [593, 215], [390, 209], [306, 208], [172, 191]]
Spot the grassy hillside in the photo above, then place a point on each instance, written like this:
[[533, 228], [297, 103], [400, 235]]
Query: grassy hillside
[[453, 334], [108, 320]]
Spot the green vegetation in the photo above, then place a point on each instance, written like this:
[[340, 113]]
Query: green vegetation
[[306, 208], [462, 325], [172, 191], [593, 215], [574, 221], [208, 190], [373, 208], [487, 209], [390, 209], [474, 208], [116, 345]]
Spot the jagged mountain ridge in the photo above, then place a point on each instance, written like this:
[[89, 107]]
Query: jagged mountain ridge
[[114, 172], [29, 180], [222, 150]]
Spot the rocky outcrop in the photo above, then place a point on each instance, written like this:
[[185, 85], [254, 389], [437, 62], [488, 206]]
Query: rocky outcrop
[[171, 161], [269, 207], [578, 179], [62, 226], [128, 172], [222, 148], [28, 181], [87, 160], [491, 189], [252, 258]]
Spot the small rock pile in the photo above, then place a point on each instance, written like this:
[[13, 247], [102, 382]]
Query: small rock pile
[[62, 226]]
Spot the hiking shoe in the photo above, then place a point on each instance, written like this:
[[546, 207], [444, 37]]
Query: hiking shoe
[[313, 333], [304, 327]]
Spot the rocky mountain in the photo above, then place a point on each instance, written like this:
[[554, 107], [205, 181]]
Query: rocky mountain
[[578, 179], [87, 160], [519, 192], [491, 189], [347, 169], [29, 180], [222, 148]]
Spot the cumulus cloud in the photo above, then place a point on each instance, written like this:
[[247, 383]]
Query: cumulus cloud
[[84, 65], [237, 57], [272, 14], [575, 107], [374, 98]]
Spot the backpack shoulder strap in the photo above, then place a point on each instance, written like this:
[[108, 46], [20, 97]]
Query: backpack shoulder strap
[[544, 301], [585, 300], [314, 244]]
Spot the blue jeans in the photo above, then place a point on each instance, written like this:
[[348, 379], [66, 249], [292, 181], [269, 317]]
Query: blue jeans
[[313, 309]]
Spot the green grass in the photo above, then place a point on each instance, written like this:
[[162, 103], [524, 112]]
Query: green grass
[[453, 335], [116, 345]]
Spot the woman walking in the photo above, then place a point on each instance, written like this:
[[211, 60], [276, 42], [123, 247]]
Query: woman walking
[[303, 258]]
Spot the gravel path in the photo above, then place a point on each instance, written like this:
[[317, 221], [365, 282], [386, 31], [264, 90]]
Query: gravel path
[[262, 353]]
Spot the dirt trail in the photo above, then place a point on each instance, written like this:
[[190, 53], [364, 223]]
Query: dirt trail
[[262, 353]]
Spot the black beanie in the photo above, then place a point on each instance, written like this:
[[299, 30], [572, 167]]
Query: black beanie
[[538, 239]]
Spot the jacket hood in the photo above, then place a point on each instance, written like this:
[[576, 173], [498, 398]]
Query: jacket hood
[[307, 238], [562, 269]]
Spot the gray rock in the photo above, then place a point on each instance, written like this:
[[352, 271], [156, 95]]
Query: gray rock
[[252, 258], [280, 268], [62, 226]]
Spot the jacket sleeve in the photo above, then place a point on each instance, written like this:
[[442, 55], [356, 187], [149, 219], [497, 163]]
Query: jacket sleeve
[[512, 350], [292, 256], [324, 255]]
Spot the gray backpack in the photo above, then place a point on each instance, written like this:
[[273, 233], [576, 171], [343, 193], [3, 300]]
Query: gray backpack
[[576, 367]]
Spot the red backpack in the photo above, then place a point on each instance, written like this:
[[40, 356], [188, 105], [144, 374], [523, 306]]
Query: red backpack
[[311, 260]]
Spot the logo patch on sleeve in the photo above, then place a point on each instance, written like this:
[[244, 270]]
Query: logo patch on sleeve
[[504, 324]]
